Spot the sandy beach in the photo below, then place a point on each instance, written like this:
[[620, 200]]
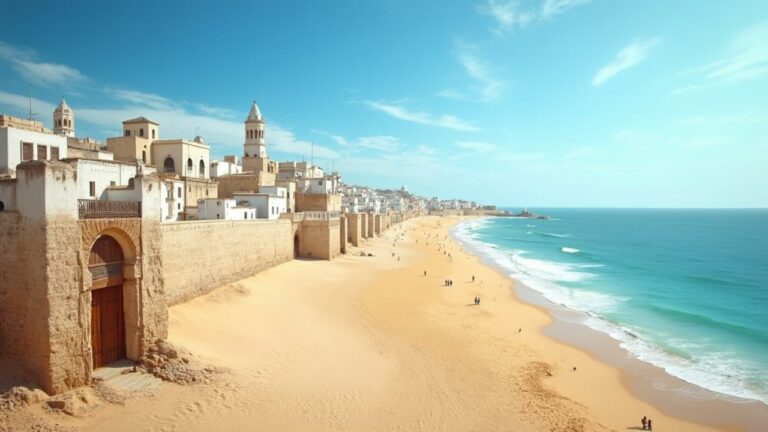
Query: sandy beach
[[371, 343]]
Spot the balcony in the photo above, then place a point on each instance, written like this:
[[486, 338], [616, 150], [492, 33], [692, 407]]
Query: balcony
[[96, 209]]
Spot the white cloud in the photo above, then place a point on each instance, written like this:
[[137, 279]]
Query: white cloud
[[747, 59], [24, 62], [487, 86], [401, 113], [48, 73], [477, 146], [140, 98], [381, 143], [283, 140], [509, 14], [21, 104], [628, 57]]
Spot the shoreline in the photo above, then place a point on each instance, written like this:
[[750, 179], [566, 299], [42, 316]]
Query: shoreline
[[647, 381]]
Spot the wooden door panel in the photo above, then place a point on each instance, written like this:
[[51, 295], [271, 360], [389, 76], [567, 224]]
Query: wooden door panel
[[108, 325]]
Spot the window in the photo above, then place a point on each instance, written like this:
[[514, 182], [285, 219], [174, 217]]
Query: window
[[92, 187], [27, 151], [112, 183], [320, 182], [153, 134], [178, 192], [127, 133], [2, 206], [42, 152], [168, 165], [202, 168], [141, 132], [144, 156], [206, 192], [245, 214], [217, 215], [189, 166], [178, 206], [59, 122], [54, 153]]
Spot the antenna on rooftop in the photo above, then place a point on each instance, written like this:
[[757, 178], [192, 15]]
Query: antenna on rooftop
[[30, 102]]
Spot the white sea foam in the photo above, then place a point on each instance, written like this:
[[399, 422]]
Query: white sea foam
[[553, 235], [569, 250], [723, 373]]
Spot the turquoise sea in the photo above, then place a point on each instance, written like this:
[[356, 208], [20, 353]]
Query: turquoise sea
[[685, 290]]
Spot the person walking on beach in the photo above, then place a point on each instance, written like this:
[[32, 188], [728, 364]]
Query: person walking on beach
[[650, 425], [473, 278], [644, 422]]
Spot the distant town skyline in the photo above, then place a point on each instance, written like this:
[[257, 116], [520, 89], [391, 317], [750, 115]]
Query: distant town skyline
[[550, 103]]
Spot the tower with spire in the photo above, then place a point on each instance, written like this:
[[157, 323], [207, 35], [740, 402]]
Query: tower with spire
[[64, 120], [255, 158], [255, 145]]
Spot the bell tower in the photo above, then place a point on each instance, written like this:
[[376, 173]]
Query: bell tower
[[64, 120], [255, 145]]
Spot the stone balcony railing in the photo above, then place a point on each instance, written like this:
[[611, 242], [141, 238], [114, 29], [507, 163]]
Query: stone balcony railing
[[97, 209], [318, 215]]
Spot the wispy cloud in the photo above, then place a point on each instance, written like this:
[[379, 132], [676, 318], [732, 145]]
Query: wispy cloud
[[477, 146], [511, 14], [747, 59], [24, 62], [401, 113], [487, 86], [630, 56]]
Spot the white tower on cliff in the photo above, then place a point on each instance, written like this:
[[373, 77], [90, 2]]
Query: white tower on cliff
[[64, 120], [255, 145]]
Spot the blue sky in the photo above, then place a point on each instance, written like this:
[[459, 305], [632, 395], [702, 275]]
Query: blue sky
[[538, 103]]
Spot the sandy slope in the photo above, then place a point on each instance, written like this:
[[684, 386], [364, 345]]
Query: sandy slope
[[371, 344]]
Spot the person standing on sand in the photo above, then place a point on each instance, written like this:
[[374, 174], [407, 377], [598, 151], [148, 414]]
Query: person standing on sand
[[650, 425], [473, 278], [644, 422]]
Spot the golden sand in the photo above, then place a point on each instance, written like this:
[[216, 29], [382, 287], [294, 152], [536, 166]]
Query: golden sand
[[371, 344]]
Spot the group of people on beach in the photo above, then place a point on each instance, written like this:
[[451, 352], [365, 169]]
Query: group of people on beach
[[647, 424], [477, 301], [448, 282]]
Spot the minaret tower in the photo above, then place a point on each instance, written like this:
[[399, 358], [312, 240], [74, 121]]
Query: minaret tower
[[255, 145], [64, 120]]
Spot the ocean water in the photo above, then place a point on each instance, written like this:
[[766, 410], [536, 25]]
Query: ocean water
[[685, 290]]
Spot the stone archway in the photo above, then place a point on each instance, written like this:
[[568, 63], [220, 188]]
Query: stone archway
[[114, 284]]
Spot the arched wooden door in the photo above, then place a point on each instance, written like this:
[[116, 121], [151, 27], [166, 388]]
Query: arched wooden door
[[107, 318]]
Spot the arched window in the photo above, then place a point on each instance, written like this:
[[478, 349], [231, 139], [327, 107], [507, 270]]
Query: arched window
[[189, 166], [202, 168], [169, 166], [153, 134], [144, 156], [69, 122]]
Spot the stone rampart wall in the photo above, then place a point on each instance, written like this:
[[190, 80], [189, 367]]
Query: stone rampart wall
[[199, 256]]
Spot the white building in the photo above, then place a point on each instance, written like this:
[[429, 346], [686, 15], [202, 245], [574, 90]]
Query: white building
[[227, 209], [268, 206], [182, 157], [230, 165], [25, 140]]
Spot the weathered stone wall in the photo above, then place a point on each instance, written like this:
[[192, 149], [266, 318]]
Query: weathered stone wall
[[198, 256], [320, 238], [377, 224], [23, 300], [343, 227], [371, 225], [317, 202], [230, 184], [199, 188], [353, 228], [364, 225]]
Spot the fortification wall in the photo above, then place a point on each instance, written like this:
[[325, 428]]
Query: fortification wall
[[317, 202], [371, 225], [23, 300], [198, 256], [343, 227], [364, 225], [320, 239], [353, 228]]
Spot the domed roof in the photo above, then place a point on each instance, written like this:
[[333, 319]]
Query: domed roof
[[199, 139], [63, 107], [255, 113]]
